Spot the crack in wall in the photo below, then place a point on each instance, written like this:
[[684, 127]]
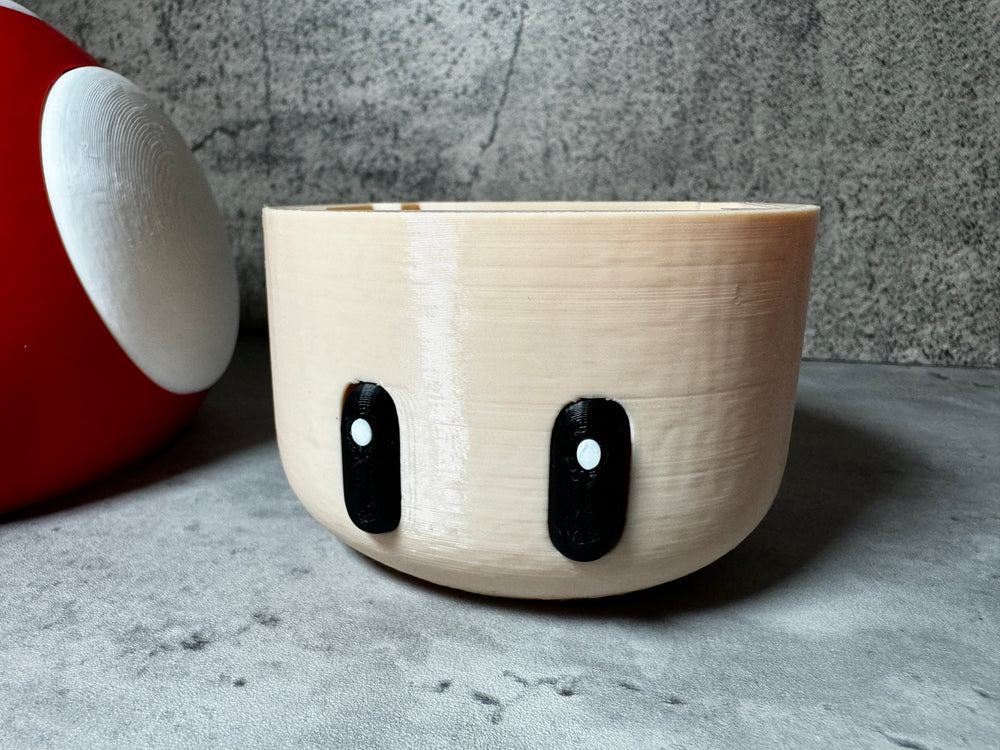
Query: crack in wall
[[502, 101], [266, 54], [233, 130]]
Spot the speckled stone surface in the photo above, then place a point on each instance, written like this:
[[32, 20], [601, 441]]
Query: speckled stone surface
[[190, 601], [886, 114]]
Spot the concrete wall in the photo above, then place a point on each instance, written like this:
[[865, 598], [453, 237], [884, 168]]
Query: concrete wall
[[885, 113]]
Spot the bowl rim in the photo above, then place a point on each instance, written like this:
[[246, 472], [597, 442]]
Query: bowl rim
[[590, 208]]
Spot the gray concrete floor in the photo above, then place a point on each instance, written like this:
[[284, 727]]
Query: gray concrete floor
[[190, 601]]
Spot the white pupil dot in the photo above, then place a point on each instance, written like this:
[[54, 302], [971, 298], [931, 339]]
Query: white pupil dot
[[361, 432], [588, 454]]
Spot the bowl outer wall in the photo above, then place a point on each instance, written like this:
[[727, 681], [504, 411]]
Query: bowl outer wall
[[483, 325]]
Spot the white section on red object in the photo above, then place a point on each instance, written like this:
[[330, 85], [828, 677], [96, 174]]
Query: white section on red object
[[15, 6], [141, 227]]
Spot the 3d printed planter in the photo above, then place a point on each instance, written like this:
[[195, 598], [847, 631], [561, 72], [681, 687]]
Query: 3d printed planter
[[118, 292], [537, 400]]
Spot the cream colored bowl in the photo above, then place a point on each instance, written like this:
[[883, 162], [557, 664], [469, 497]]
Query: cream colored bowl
[[475, 325]]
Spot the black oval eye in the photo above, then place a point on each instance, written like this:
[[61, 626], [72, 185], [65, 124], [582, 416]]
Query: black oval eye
[[369, 447], [589, 465]]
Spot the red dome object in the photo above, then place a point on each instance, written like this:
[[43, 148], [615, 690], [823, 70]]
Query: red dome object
[[74, 405]]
